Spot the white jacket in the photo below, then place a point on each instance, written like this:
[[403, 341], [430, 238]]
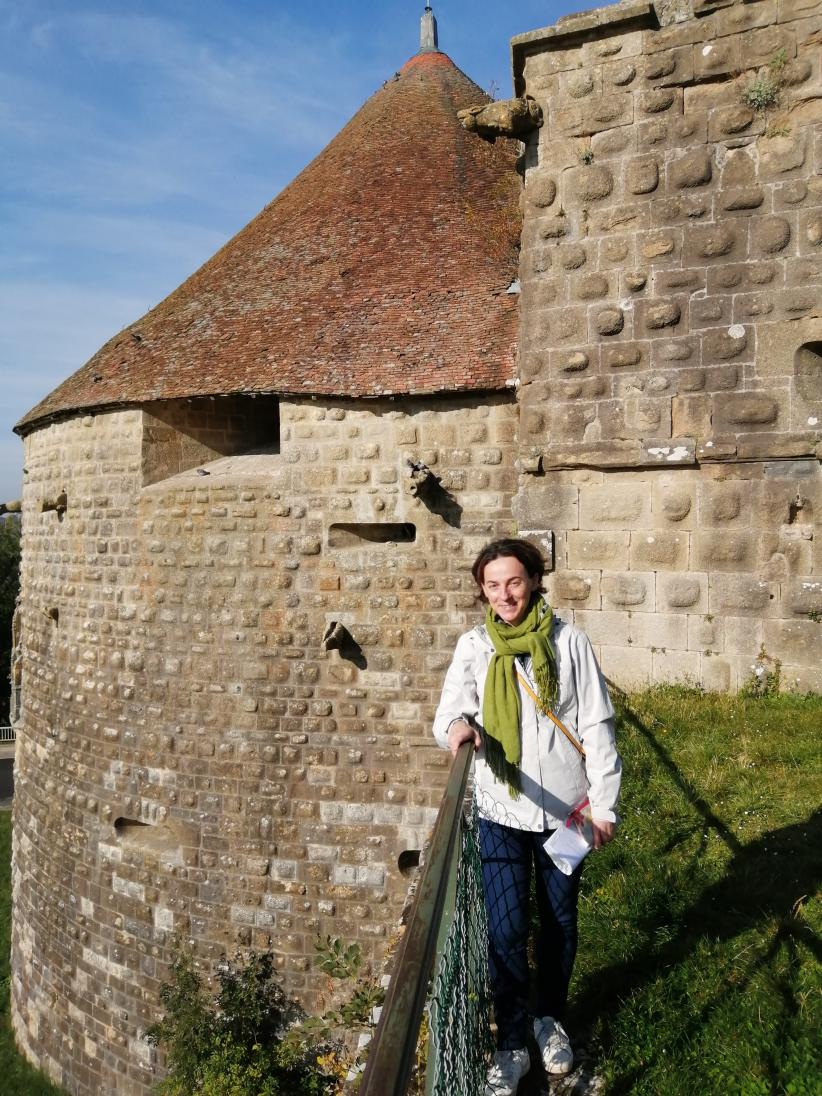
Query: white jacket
[[554, 776]]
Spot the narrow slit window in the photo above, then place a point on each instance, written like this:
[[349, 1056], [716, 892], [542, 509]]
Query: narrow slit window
[[357, 534]]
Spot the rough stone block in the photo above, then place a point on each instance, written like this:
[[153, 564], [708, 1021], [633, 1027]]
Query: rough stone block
[[547, 506], [587, 184], [626, 666], [721, 503], [803, 597], [642, 175], [629, 591], [574, 589], [741, 595], [795, 641], [693, 169], [608, 551], [659, 549], [675, 666], [715, 674], [605, 627], [770, 235], [613, 505], [659, 631], [705, 634], [691, 415], [712, 243], [674, 501], [738, 412], [683, 593], [723, 550], [659, 318]]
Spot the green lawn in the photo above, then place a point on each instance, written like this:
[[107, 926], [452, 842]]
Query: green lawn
[[699, 968]]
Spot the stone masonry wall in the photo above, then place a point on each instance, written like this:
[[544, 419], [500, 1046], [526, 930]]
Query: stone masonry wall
[[191, 761], [671, 344]]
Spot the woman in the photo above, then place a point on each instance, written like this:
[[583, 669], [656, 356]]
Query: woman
[[504, 679]]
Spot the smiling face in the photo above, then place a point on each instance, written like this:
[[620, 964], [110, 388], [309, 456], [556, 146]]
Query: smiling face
[[508, 587]]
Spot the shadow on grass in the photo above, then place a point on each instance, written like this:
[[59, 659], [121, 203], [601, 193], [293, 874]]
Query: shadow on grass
[[766, 880]]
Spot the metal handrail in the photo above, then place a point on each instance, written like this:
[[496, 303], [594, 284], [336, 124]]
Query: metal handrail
[[391, 1054]]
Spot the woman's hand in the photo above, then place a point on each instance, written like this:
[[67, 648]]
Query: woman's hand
[[603, 832], [460, 732]]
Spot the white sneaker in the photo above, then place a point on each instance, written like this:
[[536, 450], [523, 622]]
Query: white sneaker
[[554, 1045], [507, 1069]]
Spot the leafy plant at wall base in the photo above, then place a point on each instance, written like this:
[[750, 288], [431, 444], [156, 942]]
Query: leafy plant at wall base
[[236, 1042], [337, 959]]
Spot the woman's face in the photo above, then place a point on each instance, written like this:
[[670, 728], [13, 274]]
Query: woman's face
[[508, 587]]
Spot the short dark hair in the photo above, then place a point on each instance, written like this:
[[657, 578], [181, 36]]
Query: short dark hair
[[527, 553]]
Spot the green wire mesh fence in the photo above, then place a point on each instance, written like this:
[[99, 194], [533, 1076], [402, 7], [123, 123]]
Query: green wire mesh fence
[[460, 1042]]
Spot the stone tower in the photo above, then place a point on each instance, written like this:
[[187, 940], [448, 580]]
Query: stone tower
[[671, 338], [248, 521]]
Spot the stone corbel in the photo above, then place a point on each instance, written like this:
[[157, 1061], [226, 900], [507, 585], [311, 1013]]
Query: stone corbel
[[514, 118]]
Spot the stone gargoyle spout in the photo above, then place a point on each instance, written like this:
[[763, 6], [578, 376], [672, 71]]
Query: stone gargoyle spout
[[514, 118]]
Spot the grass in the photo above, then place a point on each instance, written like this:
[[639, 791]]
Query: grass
[[699, 966], [699, 963]]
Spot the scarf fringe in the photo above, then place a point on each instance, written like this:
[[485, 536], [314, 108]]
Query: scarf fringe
[[503, 769]]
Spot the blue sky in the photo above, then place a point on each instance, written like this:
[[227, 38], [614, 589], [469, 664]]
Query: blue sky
[[136, 138]]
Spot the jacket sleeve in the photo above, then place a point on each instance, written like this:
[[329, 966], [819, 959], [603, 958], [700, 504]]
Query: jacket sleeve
[[459, 692], [595, 727]]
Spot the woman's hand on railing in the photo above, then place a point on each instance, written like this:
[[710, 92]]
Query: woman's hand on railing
[[460, 732]]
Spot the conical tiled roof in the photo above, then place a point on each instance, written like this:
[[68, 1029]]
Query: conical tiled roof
[[382, 268]]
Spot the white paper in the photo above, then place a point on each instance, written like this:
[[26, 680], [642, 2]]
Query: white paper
[[568, 846]]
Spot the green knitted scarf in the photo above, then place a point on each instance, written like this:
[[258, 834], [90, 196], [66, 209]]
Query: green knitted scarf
[[501, 701]]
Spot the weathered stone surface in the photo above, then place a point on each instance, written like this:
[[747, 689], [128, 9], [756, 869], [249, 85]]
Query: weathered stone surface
[[624, 356], [553, 228], [746, 409], [745, 197], [544, 506], [739, 595], [662, 243], [642, 175], [627, 665], [636, 280], [693, 169], [627, 591], [656, 102], [684, 591], [712, 241], [591, 287], [734, 119], [580, 85], [574, 362], [675, 502], [724, 344], [596, 549], [613, 506], [614, 250], [659, 549], [577, 589], [661, 314], [589, 184], [542, 192], [781, 154], [610, 321], [572, 256], [771, 234]]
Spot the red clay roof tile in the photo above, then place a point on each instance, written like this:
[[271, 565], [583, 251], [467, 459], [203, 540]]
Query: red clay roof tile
[[382, 268]]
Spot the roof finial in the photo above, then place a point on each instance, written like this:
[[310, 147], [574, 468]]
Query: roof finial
[[428, 31]]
